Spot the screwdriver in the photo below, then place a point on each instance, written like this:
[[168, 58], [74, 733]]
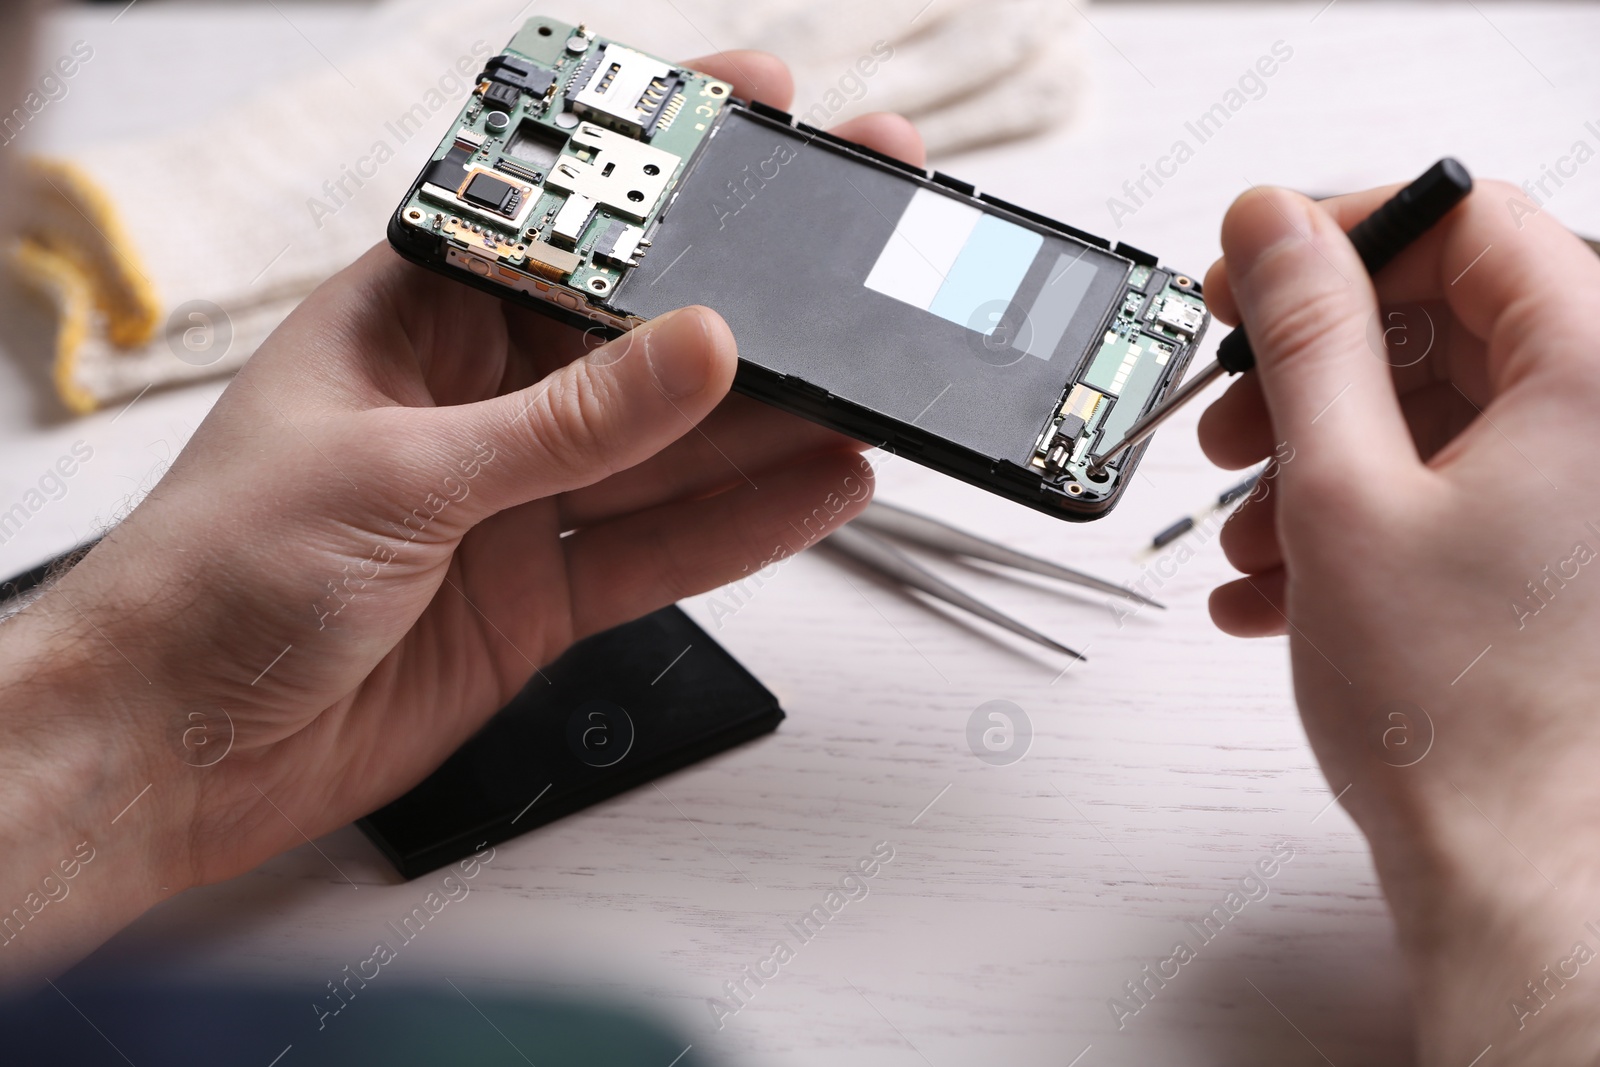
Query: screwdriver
[[1377, 239], [1189, 522]]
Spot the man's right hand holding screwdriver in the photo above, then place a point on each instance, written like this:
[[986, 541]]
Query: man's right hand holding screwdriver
[[1429, 545]]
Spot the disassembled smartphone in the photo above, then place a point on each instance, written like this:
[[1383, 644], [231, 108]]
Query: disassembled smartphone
[[604, 187]]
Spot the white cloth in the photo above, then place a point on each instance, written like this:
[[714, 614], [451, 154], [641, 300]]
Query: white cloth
[[171, 258]]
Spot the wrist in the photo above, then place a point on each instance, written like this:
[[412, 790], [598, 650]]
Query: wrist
[[1519, 971], [1496, 900], [98, 806]]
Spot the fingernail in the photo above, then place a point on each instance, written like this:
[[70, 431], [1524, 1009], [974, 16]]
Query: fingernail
[[678, 348]]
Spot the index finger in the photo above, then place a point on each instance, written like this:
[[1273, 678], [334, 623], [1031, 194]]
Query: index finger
[[1306, 301], [754, 75], [1497, 249]]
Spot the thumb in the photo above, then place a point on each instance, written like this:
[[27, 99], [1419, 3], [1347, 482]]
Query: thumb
[[609, 410], [1306, 302]]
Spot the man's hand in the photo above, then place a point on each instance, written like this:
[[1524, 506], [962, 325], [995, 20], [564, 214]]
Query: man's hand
[[411, 498], [1431, 550]]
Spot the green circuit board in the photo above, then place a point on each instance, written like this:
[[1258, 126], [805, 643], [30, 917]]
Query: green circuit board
[[556, 169], [1160, 317]]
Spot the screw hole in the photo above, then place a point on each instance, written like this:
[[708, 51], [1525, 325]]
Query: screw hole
[[635, 195], [717, 90], [1099, 477], [651, 169], [545, 31], [598, 285], [1075, 489]]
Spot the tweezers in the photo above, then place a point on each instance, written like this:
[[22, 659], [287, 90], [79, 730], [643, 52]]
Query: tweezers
[[864, 541], [930, 533]]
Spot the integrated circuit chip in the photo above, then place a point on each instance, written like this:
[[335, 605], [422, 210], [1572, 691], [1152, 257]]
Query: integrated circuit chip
[[490, 192]]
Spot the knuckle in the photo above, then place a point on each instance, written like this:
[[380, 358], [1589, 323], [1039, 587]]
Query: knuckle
[[570, 424], [1295, 333], [1249, 538], [1320, 491]]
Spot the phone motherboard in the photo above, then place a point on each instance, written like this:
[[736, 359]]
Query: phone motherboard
[[560, 163]]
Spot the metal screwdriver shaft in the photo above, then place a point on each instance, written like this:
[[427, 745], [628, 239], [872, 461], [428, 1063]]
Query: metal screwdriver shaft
[[1377, 239]]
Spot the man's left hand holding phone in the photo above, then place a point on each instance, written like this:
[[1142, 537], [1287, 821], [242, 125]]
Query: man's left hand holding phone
[[411, 497]]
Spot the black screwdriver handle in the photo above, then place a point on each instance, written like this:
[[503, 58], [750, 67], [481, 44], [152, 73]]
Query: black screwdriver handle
[[1380, 237], [1235, 353]]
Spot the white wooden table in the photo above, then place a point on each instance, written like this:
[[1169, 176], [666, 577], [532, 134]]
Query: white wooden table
[[1021, 898]]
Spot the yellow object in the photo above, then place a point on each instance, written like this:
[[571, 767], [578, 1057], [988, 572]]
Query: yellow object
[[1082, 402], [59, 280], [75, 251]]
